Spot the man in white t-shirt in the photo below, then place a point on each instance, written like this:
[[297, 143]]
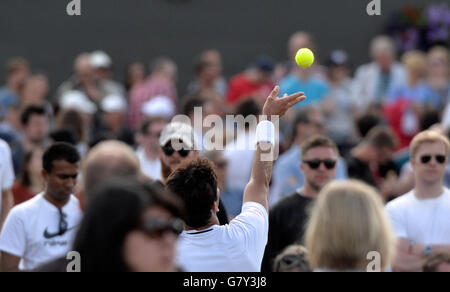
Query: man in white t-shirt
[[206, 246], [43, 228], [421, 217], [6, 181]]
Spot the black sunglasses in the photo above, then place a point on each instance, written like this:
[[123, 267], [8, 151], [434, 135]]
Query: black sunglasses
[[315, 163], [168, 150], [62, 226], [156, 227], [427, 158]]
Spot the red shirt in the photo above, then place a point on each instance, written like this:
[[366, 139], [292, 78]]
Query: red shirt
[[21, 193], [240, 87], [144, 92]]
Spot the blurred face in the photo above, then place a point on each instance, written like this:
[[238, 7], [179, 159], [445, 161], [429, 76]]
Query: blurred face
[[384, 155], [114, 119], [438, 64], [297, 42], [61, 180], [315, 126], [337, 73], [19, 75], [213, 57], [211, 72], [151, 250], [172, 160], [430, 162], [84, 70], [37, 128], [35, 90], [318, 175], [136, 73], [150, 140], [221, 169], [384, 59]]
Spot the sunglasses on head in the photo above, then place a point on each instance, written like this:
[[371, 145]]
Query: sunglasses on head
[[427, 158], [168, 150], [156, 227], [315, 163]]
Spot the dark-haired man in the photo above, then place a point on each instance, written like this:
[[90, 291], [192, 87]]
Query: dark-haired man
[[43, 228], [376, 149], [35, 123], [205, 246], [289, 216]]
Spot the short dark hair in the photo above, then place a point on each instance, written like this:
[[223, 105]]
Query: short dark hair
[[318, 141], [148, 122], [195, 182], [191, 102], [433, 262], [65, 134], [248, 107], [29, 111], [381, 137], [59, 151], [367, 122]]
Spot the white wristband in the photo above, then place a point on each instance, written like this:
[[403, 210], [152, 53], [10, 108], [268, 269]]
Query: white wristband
[[265, 132]]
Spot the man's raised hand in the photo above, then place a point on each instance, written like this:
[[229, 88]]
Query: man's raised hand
[[275, 106]]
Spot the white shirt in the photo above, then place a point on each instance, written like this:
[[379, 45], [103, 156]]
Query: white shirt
[[237, 247], [151, 168], [424, 222], [6, 169], [30, 228]]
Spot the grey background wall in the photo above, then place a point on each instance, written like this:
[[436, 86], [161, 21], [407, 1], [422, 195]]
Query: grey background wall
[[130, 30]]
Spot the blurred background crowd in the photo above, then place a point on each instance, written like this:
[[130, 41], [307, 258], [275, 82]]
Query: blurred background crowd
[[371, 111]]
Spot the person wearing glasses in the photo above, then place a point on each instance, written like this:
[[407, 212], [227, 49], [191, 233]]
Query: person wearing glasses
[[421, 217], [43, 228], [185, 148], [289, 216], [140, 236], [148, 149]]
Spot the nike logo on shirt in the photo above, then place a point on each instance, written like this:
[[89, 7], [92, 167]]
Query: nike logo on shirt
[[48, 235]]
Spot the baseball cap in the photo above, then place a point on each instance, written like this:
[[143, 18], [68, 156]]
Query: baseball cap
[[159, 106], [113, 103], [77, 100], [264, 63], [337, 58], [100, 59], [177, 131]]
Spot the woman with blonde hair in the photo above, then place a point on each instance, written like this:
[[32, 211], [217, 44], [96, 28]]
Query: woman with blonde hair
[[347, 225]]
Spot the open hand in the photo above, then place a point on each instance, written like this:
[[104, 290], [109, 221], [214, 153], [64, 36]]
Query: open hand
[[275, 106]]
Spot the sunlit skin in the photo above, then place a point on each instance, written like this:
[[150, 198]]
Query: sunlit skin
[[146, 254], [175, 159], [318, 178], [431, 172], [60, 182]]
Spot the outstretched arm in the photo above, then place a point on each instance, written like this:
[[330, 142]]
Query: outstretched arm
[[257, 189]]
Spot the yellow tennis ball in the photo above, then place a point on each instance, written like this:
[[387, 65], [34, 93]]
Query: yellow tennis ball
[[304, 57]]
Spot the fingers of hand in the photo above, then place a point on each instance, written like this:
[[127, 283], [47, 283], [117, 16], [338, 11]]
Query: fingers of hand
[[297, 100], [275, 91]]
